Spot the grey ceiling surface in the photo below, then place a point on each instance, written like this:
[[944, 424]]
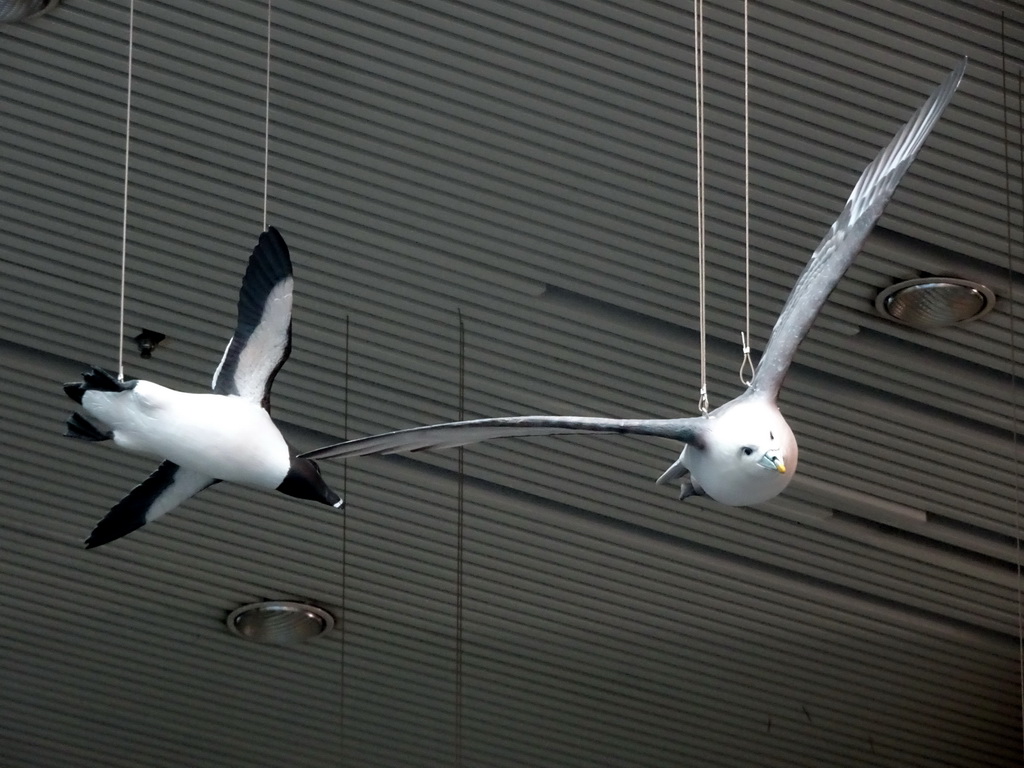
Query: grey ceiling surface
[[529, 167]]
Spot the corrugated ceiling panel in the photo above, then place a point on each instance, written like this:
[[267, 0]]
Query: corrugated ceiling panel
[[529, 164]]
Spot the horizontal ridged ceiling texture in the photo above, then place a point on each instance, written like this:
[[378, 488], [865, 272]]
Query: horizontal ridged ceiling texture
[[526, 169]]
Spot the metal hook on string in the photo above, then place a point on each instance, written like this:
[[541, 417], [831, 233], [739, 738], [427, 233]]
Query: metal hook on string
[[748, 363]]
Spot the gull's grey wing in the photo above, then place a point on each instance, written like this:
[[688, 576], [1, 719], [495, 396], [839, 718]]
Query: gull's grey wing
[[262, 339], [844, 240], [456, 433]]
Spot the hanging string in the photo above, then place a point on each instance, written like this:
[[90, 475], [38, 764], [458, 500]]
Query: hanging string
[[747, 364], [343, 617], [124, 206], [1013, 400], [1016, 432], [698, 67], [1013, 336], [266, 122], [459, 549]]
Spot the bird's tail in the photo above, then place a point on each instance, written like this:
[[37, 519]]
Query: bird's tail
[[81, 428], [675, 472], [95, 378]]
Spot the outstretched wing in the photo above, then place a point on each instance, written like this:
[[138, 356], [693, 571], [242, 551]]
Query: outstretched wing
[[844, 240], [157, 495], [464, 432], [263, 336]]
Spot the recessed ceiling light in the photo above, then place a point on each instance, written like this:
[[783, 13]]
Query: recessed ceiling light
[[279, 622], [19, 10], [935, 302]]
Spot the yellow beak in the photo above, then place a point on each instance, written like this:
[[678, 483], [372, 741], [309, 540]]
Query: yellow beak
[[772, 460]]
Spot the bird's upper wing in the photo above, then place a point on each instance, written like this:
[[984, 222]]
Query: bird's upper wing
[[456, 433], [158, 494], [844, 240], [263, 336]]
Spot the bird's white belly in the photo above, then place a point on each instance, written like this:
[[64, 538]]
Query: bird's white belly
[[731, 486], [224, 437]]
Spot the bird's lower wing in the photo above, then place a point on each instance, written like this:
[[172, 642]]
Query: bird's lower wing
[[157, 495], [845, 239], [458, 433]]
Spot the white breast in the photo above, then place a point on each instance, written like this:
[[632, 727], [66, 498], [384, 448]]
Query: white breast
[[720, 469], [225, 437]]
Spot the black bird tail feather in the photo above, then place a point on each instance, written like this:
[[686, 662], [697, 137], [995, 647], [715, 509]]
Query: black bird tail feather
[[98, 379], [81, 428]]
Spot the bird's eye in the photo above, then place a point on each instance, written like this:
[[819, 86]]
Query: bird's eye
[[747, 451]]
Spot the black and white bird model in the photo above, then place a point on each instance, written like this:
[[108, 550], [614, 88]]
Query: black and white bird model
[[206, 438], [744, 451]]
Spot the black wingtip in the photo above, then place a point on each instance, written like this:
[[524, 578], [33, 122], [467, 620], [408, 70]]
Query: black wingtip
[[269, 264], [274, 251], [132, 512], [99, 539], [113, 527]]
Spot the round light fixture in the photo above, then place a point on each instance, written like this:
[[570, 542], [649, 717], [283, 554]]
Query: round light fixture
[[935, 302], [279, 622], [19, 10]]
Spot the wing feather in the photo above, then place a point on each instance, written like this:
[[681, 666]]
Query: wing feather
[[845, 239], [169, 486], [458, 433], [262, 339]]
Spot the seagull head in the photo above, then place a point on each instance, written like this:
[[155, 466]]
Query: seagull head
[[748, 453], [304, 481]]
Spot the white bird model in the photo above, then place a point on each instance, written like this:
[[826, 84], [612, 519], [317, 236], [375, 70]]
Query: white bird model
[[744, 451], [206, 438]]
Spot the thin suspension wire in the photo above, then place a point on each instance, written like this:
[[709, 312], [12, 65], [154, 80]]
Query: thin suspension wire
[[747, 364], [1016, 443], [698, 66], [1014, 410], [124, 206], [266, 121], [1013, 336], [459, 562], [343, 618]]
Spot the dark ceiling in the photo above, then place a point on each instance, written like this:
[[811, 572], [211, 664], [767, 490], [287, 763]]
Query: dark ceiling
[[529, 167]]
